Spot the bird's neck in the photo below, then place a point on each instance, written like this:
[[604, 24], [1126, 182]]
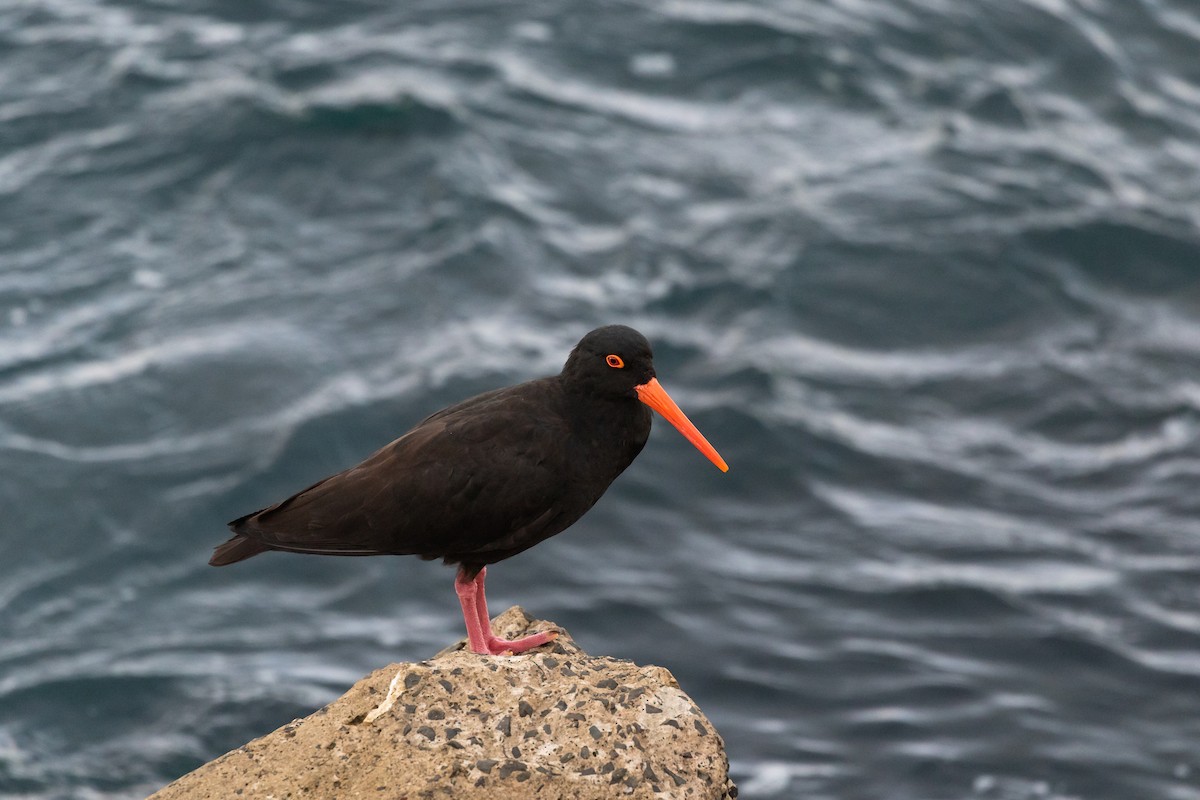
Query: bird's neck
[[607, 431]]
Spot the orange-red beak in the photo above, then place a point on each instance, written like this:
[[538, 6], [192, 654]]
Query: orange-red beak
[[654, 395]]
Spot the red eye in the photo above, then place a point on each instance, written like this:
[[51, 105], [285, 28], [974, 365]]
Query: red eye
[[614, 361]]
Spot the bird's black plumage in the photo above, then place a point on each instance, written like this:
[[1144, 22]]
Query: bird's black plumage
[[484, 479], [479, 481]]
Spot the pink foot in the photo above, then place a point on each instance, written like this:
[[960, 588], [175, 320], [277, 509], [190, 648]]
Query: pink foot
[[510, 647], [479, 626]]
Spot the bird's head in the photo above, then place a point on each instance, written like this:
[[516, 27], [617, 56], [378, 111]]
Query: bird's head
[[616, 361], [611, 361]]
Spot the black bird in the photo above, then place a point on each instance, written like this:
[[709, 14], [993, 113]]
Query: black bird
[[484, 479]]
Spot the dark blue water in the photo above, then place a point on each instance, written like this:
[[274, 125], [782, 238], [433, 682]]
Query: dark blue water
[[927, 273]]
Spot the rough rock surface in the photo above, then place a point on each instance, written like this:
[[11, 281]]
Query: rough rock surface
[[554, 723]]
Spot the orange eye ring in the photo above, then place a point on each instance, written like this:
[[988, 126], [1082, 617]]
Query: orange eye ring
[[615, 361]]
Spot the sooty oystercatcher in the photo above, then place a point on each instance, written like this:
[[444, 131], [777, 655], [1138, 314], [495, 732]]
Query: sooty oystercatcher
[[484, 479]]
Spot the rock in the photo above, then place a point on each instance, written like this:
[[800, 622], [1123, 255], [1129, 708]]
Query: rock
[[553, 723]]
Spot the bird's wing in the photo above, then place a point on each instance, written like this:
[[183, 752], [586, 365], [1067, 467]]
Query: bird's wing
[[465, 478]]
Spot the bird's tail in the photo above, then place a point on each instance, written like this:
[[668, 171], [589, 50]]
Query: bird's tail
[[236, 549]]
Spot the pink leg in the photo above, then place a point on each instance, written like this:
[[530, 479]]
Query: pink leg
[[479, 626], [468, 598]]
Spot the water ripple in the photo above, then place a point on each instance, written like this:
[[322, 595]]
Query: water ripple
[[924, 271]]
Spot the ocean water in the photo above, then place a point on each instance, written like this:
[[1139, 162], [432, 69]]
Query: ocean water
[[926, 273]]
